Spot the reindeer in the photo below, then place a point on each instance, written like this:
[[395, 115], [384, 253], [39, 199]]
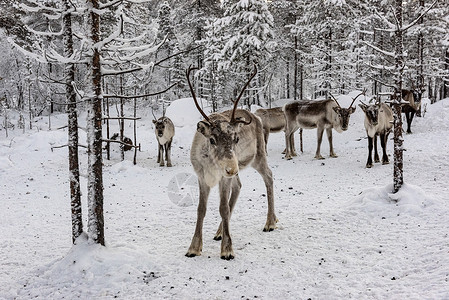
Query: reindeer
[[320, 114], [413, 97], [378, 122], [413, 107], [164, 130], [273, 120], [224, 144]]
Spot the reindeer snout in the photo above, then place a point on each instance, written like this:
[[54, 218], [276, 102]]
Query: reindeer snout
[[231, 171]]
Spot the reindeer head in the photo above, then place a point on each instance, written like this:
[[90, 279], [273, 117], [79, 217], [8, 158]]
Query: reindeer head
[[345, 113], [371, 112], [160, 125], [221, 133]]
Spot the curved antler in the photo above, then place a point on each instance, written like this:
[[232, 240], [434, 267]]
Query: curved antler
[[233, 120], [362, 93], [193, 93], [334, 99]]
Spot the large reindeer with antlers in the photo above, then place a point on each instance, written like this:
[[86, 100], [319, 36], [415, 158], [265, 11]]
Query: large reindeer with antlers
[[224, 144], [320, 114]]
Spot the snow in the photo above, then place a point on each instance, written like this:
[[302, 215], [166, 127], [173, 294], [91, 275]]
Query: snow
[[341, 233]]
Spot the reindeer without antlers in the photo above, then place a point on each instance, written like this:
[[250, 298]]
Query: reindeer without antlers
[[378, 122], [320, 114], [164, 130], [223, 144]]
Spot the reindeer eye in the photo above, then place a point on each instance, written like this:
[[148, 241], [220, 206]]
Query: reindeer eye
[[236, 139], [212, 141]]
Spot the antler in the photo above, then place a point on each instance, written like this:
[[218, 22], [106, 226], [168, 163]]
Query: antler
[[362, 93], [152, 111], [334, 99], [233, 120], [193, 93]]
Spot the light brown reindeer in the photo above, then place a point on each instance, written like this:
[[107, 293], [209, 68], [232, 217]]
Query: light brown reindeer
[[320, 114], [273, 120], [224, 144], [165, 131]]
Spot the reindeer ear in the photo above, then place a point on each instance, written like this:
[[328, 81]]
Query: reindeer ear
[[362, 106], [352, 109], [203, 128], [336, 109], [154, 121]]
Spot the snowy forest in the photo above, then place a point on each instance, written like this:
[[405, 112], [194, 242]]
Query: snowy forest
[[89, 213]]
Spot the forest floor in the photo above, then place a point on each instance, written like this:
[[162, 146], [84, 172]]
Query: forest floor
[[341, 234]]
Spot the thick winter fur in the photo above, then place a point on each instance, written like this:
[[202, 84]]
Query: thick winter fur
[[220, 149], [320, 114], [414, 98], [378, 123], [273, 120], [164, 130]]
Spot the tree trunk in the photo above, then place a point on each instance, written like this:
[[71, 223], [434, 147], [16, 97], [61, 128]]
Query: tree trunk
[[72, 119], [398, 174], [95, 161]]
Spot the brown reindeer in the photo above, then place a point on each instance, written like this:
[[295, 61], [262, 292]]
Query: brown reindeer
[[320, 114], [224, 144]]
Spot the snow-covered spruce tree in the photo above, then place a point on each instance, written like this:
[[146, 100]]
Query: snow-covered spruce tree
[[246, 32], [328, 31], [285, 14], [426, 45]]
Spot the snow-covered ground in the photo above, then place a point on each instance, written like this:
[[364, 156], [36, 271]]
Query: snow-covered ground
[[341, 234]]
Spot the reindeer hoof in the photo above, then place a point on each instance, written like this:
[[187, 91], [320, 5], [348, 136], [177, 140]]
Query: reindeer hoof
[[268, 229], [319, 157], [385, 162], [368, 166], [169, 165], [217, 238], [333, 155], [228, 256], [190, 254]]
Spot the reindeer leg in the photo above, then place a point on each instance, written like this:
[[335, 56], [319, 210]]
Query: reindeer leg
[[409, 121], [329, 138], [197, 241], [161, 155], [224, 187], [292, 143], [168, 153], [235, 191], [369, 162], [320, 131], [383, 143], [376, 154], [262, 168], [288, 151]]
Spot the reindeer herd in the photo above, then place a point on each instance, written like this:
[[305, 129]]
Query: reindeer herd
[[228, 142]]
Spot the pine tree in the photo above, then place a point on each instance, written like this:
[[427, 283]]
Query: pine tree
[[246, 39]]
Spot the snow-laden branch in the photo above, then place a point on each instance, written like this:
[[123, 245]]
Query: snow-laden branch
[[386, 53], [404, 28], [39, 7], [139, 96]]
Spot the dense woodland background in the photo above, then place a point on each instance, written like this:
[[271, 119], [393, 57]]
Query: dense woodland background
[[303, 49]]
